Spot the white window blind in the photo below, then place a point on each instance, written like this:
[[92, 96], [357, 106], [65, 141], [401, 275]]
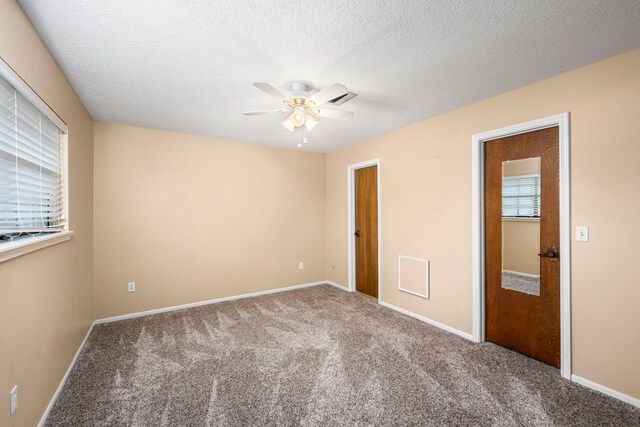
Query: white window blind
[[521, 196], [31, 157]]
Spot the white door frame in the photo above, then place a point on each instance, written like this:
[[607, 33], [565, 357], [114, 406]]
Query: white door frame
[[477, 155], [351, 170]]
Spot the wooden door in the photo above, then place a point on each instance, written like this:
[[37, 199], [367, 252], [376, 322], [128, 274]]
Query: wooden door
[[526, 323], [366, 230]]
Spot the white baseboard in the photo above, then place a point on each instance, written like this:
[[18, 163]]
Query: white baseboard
[[518, 273], [426, 320], [207, 302], [337, 285], [64, 378], [606, 390]]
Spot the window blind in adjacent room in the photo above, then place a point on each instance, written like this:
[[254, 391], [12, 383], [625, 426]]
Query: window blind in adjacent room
[[521, 196]]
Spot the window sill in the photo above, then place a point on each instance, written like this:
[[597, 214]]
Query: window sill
[[520, 219], [9, 250]]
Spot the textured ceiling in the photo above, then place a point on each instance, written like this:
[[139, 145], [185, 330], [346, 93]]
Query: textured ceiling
[[188, 65]]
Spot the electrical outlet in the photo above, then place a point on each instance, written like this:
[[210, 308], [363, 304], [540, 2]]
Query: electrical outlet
[[301, 265], [13, 400], [582, 233], [131, 287]]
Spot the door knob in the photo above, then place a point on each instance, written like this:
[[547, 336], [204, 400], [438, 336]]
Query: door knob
[[357, 233], [551, 253]]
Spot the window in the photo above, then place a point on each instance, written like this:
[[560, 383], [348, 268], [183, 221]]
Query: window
[[31, 162], [521, 196]]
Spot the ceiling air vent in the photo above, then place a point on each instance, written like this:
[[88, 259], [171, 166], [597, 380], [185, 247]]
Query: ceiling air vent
[[344, 98]]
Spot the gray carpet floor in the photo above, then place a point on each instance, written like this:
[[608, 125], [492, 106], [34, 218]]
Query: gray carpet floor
[[516, 282], [314, 356]]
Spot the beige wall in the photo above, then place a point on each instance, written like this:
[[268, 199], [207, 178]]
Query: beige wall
[[520, 246], [426, 208], [46, 297], [521, 167], [191, 218]]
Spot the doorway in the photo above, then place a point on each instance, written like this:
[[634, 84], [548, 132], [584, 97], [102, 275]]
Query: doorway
[[364, 228], [552, 256]]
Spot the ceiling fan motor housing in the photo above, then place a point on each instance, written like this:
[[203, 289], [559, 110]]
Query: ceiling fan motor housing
[[300, 90]]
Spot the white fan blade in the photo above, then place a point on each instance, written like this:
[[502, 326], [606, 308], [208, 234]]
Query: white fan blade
[[332, 92], [256, 113], [267, 88], [333, 114]]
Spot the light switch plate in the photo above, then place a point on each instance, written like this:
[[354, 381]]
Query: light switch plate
[[582, 233]]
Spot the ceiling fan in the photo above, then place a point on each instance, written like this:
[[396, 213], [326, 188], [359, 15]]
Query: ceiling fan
[[304, 107]]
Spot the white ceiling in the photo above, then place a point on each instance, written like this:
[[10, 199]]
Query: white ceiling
[[188, 65]]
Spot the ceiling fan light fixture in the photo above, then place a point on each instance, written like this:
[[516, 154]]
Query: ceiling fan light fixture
[[297, 117], [288, 124], [310, 122]]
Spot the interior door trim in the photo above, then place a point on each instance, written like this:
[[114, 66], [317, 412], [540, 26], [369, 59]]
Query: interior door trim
[[351, 170], [477, 174]]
